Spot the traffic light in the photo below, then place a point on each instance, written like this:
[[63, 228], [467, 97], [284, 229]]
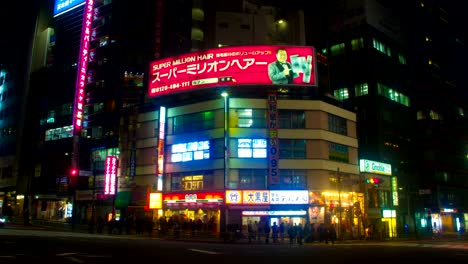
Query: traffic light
[[74, 172], [374, 180]]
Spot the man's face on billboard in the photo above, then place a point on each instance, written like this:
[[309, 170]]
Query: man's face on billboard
[[281, 56]]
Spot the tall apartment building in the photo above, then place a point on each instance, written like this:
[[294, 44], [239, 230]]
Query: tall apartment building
[[396, 64]]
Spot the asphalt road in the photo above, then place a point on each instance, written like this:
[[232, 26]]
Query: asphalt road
[[46, 246]]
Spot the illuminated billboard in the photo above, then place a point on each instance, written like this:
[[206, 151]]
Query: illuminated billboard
[[110, 175], [241, 65], [375, 167], [61, 6], [80, 94]]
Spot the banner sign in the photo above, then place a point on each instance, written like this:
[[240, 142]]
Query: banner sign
[[240, 65]]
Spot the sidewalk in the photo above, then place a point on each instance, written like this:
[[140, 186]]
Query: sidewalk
[[211, 238]]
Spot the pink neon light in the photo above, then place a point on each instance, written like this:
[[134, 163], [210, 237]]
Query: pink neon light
[[243, 65], [82, 68], [110, 175]]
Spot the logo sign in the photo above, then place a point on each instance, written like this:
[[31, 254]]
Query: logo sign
[[375, 167], [211, 197], [62, 6], [110, 175], [289, 197], [242, 65], [256, 197], [233, 197]]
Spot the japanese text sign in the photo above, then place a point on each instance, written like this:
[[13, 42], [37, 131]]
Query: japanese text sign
[[240, 65]]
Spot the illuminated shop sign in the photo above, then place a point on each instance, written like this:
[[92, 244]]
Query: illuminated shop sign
[[273, 213], [82, 68], [161, 140], [197, 150], [273, 142], [266, 197], [289, 197], [212, 197], [155, 200], [110, 179], [242, 65], [375, 167], [62, 6]]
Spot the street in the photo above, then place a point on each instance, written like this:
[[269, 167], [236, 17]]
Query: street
[[48, 246]]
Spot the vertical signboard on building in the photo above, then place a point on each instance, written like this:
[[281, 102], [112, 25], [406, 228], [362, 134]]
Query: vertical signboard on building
[[82, 68], [273, 150], [161, 137], [110, 175]]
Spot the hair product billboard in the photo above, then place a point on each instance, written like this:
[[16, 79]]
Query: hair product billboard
[[240, 65]]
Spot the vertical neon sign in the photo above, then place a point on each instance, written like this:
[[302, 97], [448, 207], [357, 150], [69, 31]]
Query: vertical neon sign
[[82, 68], [273, 148], [110, 175], [161, 137]]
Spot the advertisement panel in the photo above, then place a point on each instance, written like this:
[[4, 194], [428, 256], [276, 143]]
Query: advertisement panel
[[240, 65], [61, 6]]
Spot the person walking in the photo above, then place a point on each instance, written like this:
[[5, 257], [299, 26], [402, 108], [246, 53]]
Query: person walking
[[266, 230], [251, 232], [291, 234], [282, 231], [274, 231]]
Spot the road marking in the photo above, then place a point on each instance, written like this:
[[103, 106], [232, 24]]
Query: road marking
[[66, 254], [75, 259], [204, 251]]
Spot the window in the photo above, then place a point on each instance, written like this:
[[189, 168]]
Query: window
[[67, 109], [337, 49], [401, 59], [292, 148], [293, 179], [381, 47], [58, 133], [198, 180], [191, 123], [337, 124], [254, 118], [392, 94], [338, 152], [357, 44], [251, 148], [341, 94], [361, 89], [198, 150], [252, 179], [291, 119], [192, 182]]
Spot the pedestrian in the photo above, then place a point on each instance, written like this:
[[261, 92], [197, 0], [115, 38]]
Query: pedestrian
[[281, 231], [266, 230], [274, 231], [299, 233], [251, 232], [291, 234]]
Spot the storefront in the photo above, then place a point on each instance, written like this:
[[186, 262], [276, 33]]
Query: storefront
[[266, 207], [199, 210]]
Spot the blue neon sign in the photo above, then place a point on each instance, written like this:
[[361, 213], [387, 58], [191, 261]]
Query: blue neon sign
[[60, 6]]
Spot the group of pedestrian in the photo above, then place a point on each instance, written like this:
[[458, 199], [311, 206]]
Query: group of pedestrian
[[327, 232], [262, 231]]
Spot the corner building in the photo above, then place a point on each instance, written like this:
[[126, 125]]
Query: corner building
[[217, 159]]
